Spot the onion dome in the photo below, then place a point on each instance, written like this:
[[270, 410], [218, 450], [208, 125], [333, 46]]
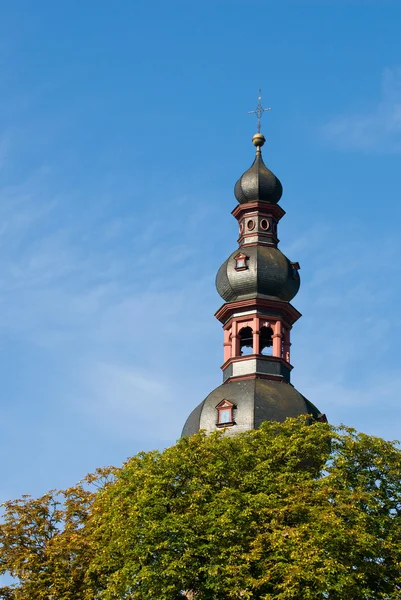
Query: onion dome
[[268, 274], [258, 183]]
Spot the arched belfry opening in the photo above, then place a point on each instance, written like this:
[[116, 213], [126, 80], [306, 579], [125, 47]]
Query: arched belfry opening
[[246, 341], [266, 341]]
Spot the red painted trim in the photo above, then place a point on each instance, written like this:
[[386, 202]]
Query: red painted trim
[[257, 376]]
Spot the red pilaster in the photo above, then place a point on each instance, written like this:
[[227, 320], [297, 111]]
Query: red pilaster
[[234, 340], [227, 345], [286, 346], [277, 349], [255, 334]]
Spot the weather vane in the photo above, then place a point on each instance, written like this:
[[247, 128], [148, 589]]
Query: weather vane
[[259, 110]]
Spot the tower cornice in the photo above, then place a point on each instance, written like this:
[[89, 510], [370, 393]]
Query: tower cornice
[[262, 207], [228, 309]]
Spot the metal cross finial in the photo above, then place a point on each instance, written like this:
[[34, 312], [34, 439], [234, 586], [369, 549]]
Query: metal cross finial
[[259, 110]]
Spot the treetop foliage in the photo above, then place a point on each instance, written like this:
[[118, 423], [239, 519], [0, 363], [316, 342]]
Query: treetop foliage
[[287, 511]]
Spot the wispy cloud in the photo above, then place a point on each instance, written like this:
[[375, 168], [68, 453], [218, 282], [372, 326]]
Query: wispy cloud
[[106, 301], [371, 405], [127, 401], [377, 130]]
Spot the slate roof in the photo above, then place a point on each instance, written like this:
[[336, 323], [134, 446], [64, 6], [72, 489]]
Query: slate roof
[[256, 400]]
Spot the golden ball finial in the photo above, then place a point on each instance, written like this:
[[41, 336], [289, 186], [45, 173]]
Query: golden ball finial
[[258, 140]]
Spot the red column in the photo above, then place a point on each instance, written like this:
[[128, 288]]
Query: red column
[[255, 335], [277, 336], [286, 346], [234, 340]]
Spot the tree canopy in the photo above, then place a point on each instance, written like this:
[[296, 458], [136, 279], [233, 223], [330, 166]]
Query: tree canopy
[[287, 511]]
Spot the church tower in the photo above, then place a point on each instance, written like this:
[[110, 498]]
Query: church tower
[[257, 283]]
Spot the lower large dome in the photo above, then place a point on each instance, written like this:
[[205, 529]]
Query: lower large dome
[[254, 400]]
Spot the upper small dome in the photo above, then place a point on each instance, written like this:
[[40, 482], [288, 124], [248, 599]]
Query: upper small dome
[[258, 183]]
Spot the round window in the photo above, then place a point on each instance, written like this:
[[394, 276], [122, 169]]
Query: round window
[[241, 228], [264, 224], [251, 224]]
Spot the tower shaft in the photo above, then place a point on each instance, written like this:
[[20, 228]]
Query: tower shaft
[[257, 283]]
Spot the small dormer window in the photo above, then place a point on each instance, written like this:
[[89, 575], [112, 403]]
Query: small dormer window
[[294, 270], [241, 262], [225, 417]]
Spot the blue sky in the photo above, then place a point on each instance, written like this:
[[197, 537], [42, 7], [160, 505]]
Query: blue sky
[[123, 128]]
